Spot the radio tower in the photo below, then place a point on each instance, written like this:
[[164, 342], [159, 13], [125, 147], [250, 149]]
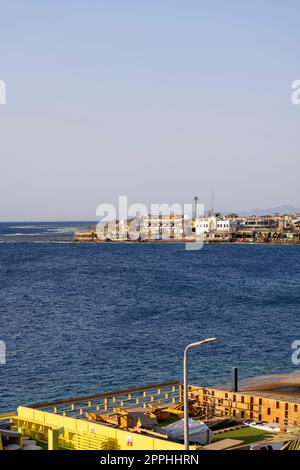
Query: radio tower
[[195, 207], [211, 212]]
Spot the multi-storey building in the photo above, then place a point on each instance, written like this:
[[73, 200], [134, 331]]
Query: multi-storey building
[[165, 227], [273, 399]]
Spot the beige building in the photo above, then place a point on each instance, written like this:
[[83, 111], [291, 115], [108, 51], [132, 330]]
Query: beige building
[[273, 399]]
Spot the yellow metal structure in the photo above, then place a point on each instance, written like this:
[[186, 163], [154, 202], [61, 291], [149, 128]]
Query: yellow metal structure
[[64, 425], [84, 435]]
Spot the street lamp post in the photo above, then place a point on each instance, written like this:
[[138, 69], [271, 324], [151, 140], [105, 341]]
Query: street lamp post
[[186, 388]]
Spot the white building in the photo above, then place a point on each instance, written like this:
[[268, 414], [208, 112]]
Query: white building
[[147, 227], [213, 224], [163, 226]]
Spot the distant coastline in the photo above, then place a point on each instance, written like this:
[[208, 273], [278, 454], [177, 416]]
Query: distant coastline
[[181, 228], [280, 229]]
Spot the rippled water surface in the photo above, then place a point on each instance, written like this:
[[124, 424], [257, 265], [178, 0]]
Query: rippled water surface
[[82, 318], [40, 232]]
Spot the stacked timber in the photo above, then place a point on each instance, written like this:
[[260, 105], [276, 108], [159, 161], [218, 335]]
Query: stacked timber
[[125, 418]]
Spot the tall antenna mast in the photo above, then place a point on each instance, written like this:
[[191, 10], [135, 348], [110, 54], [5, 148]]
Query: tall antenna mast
[[212, 202], [195, 207]]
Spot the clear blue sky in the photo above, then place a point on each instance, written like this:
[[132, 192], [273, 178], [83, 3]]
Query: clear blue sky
[[157, 99]]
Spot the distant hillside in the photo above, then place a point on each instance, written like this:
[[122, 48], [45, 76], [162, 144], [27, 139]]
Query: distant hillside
[[272, 210]]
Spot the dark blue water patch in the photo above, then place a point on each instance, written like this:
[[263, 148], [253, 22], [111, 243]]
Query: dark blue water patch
[[85, 318]]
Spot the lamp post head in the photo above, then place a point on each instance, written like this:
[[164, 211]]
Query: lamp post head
[[203, 341], [209, 340]]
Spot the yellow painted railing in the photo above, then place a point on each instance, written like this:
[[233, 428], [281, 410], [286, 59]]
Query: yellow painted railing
[[7, 416], [82, 434]]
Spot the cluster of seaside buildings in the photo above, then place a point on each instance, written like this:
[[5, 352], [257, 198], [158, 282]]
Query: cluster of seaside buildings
[[277, 228]]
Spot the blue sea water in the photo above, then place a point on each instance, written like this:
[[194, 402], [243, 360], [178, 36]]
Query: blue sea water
[[83, 318], [40, 232]]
